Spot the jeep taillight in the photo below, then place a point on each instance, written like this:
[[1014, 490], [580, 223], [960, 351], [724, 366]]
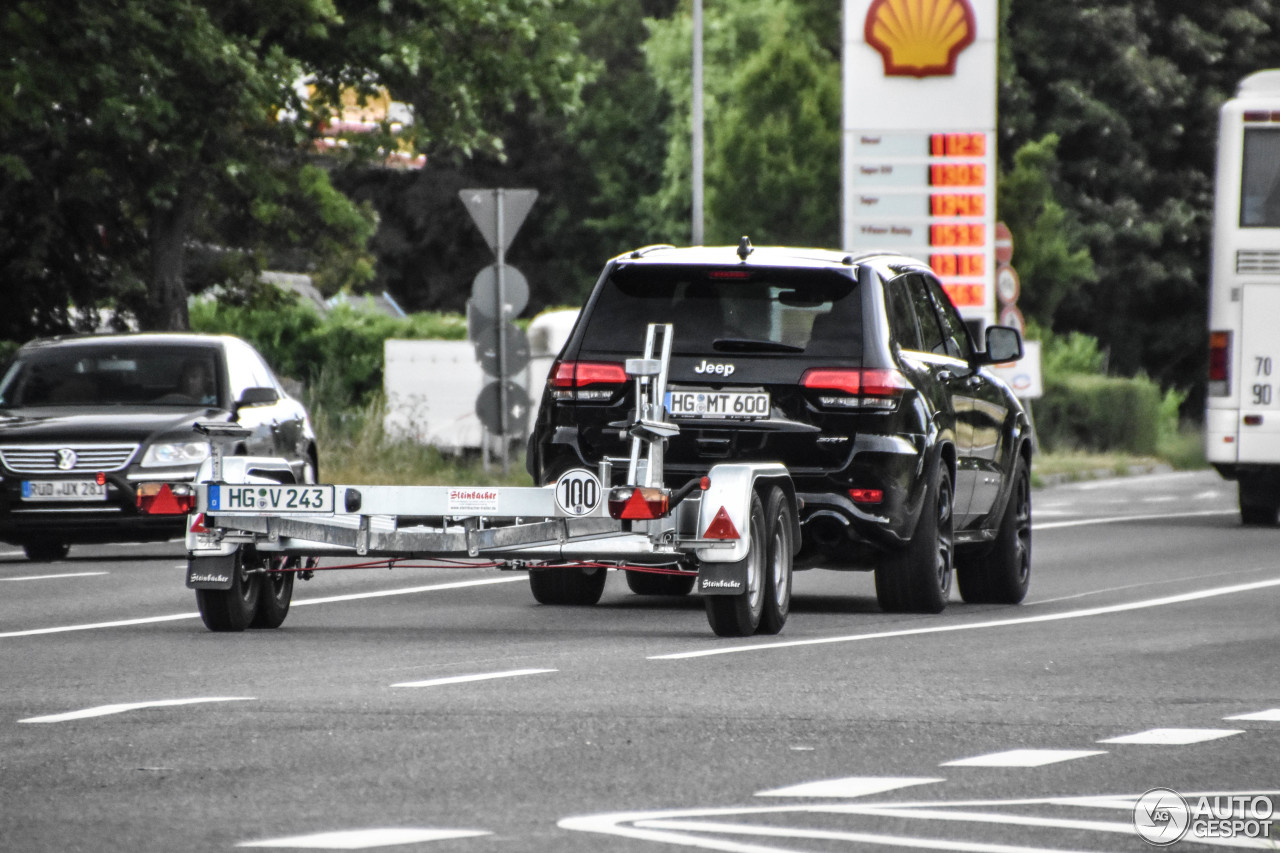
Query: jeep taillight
[[1219, 364], [876, 389], [586, 381]]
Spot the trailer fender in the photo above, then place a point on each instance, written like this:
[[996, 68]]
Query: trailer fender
[[725, 510]]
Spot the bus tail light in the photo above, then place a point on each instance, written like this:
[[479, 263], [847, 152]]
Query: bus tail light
[[1219, 364]]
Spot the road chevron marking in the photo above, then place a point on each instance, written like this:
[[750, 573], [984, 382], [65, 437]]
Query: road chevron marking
[[973, 626], [1023, 758], [849, 787], [364, 839], [462, 679], [698, 827]]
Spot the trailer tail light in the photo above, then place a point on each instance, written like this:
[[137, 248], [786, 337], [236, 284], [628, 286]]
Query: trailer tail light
[[638, 503], [873, 389], [1219, 364], [166, 499], [586, 381]]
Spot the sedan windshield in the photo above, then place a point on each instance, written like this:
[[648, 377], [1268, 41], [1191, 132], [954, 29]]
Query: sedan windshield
[[115, 375]]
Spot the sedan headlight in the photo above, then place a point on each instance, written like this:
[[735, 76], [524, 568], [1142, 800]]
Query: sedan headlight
[[176, 453]]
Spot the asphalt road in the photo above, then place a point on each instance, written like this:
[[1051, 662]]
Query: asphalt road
[[443, 710]]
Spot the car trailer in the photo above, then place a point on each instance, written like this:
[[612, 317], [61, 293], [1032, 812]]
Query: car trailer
[[733, 531]]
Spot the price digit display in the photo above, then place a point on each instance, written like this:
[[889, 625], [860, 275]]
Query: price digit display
[[958, 144], [957, 204], [950, 266], [958, 175], [957, 235]]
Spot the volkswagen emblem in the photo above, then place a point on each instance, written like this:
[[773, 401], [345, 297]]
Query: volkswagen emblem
[[66, 459]]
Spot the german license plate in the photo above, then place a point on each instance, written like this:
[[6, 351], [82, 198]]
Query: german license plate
[[63, 490], [741, 405], [284, 498]]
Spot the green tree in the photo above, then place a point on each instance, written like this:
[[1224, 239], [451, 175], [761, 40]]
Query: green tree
[[131, 127], [1131, 89], [772, 105], [1048, 255]]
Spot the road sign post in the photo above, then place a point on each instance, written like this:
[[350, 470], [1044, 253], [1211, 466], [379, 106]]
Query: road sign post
[[498, 213]]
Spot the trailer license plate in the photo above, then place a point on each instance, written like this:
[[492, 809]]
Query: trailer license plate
[[63, 490], [748, 405], [284, 498]]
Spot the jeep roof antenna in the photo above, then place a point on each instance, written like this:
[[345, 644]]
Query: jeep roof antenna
[[744, 247]]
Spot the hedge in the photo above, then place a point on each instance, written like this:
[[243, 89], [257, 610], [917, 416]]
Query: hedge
[[1100, 413]]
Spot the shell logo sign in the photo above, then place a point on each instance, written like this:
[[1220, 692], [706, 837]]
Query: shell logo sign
[[920, 38]]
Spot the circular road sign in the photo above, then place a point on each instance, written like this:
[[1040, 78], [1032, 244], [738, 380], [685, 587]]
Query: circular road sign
[[489, 409], [1004, 243], [515, 340], [1008, 285], [484, 290]]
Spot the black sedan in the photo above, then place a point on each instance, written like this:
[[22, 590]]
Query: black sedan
[[94, 427]]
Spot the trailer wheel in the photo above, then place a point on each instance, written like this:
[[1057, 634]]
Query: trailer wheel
[[275, 595], [572, 586], [917, 578], [739, 615], [649, 583], [231, 609], [1002, 573], [777, 581]]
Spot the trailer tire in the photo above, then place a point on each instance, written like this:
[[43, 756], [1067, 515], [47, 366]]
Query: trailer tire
[[650, 583], [1001, 574], [571, 586], [739, 615], [231, 609], [274, 595], [778, 515], [46, 550], [917, 578]]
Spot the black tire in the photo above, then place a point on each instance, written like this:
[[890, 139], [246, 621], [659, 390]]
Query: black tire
[[572, 586], [777, 576], [739, 615], [1002, 573], [917, 578], [649, 583], [231, 609], [1259, 501], [275, 595], [46, 551]]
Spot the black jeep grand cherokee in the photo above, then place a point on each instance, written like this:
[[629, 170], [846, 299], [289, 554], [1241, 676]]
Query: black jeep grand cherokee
[[856, 372]]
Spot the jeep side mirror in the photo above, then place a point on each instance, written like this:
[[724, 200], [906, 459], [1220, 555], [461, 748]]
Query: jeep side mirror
[[1003, 344]]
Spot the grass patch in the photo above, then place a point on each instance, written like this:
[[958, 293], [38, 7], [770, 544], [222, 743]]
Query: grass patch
[[1181, 451]]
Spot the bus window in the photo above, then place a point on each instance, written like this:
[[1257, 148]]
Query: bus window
[[1260, 179]]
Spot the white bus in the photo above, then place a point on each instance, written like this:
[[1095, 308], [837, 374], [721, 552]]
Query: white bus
[[1242, 418]]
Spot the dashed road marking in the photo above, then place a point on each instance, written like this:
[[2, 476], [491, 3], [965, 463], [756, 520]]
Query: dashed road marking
[[54, 577], [1174, 737], [462, 679], [1269, 716], [124, 707], [1023, 758], [365, 839], [849, 787]]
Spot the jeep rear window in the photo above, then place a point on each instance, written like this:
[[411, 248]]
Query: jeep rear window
[[807, 311]]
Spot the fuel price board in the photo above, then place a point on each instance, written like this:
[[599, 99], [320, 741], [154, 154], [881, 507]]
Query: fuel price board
[[931, 195]]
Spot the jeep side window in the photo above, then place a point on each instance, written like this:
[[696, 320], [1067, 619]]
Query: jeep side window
[[931, 337], [903, 325], [953, 327]]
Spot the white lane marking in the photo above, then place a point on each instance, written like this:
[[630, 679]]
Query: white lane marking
[[148, 620], [1271, 716], [1174, 737], [973, 626], [1054, 525], [53, 577], [364, 839], [124, 707], [463, 679], [1023, 758], [849, 787]]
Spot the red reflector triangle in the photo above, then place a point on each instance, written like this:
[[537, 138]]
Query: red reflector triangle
[[165, 503], [637, 507], [197, 525], [721, 527]]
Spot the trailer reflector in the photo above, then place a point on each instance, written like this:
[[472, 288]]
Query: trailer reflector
[[638, 503], [163, 499], [721, 527]]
